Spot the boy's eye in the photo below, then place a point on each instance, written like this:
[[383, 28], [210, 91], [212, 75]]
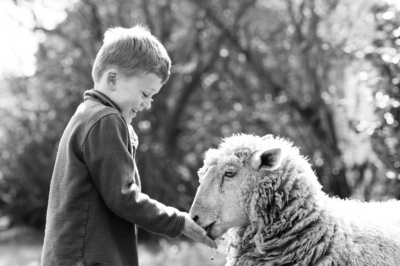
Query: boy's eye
[[145, 95]]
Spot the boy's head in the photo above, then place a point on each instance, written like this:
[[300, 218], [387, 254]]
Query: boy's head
[[134, 52]]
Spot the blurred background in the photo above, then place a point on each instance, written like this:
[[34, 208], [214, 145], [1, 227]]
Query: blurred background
[[324, 74]]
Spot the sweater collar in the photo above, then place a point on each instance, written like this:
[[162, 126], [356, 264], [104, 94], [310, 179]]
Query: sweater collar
[[101, 97]]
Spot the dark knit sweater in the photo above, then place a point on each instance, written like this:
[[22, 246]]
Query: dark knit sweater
[[95, 197]]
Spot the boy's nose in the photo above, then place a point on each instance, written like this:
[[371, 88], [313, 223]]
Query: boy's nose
[[147, 104]]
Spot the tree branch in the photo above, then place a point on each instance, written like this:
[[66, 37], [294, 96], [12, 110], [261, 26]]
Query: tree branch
[[253, 62], [183, 98], [95, 22], [145, 8]]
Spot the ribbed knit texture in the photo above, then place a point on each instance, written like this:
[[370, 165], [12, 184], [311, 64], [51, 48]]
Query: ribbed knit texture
[[95, 197]]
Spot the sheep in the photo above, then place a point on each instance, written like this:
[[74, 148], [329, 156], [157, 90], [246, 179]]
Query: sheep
[[267, 194]]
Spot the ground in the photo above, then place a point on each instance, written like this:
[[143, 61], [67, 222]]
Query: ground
[[22, 247]]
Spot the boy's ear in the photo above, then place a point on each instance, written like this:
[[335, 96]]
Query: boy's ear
[[267, 159], [112, 79]]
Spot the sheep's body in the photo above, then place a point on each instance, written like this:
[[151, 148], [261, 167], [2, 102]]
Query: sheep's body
[[289, 220], [330, 232]]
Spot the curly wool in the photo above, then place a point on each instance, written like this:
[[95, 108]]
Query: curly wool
[[292, 222]]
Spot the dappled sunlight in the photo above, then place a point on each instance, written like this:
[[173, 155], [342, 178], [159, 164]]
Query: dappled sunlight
[[22, 246], [324, 74], [182, 253]]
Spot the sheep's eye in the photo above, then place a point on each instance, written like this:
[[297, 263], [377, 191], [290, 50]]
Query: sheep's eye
[[229, 174]]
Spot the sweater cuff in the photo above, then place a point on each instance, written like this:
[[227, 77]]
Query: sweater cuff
[[180, 223]]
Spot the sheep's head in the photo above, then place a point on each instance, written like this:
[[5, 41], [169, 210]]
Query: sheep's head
[[227, 179]]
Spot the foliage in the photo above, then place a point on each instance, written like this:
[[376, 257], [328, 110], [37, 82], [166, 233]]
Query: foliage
[[385, 54], [252, 66]]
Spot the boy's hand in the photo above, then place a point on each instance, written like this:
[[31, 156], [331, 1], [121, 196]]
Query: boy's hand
[[197, 233]]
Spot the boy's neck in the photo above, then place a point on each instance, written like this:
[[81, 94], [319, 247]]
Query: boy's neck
[[103, 88], [100, 87]]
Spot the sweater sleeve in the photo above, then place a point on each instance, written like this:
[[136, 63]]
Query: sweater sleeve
[[111, 166]]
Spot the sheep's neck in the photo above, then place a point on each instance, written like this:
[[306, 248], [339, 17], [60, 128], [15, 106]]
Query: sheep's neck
[[288, 225]]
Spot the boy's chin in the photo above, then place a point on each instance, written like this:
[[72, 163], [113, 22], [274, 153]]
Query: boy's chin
[[128, 119], [129, 116]]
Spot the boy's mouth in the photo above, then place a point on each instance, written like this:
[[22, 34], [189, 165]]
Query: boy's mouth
[[134, 112]]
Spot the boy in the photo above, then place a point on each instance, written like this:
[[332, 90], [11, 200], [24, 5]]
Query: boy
[[95, 199]]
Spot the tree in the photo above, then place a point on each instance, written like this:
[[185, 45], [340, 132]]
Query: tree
[[384, 54], [252, 66]]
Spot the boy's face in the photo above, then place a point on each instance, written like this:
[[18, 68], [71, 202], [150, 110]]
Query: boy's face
[[133, 94]]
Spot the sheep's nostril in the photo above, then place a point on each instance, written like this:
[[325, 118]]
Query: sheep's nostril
[[195, 218]]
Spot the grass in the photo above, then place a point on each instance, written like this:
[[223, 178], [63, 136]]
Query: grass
[[22, 246]]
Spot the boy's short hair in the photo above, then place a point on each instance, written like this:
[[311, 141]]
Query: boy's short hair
[[134, 51]]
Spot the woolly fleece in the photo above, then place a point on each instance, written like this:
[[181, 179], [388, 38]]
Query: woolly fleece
[[293, 222]]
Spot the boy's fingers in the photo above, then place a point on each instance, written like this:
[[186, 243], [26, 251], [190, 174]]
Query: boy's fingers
[[211, 243], [199, 230], [196, 228], [198, 234], [208, 242]]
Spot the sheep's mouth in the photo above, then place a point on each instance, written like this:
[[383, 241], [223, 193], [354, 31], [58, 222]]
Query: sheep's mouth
[[208, 230]]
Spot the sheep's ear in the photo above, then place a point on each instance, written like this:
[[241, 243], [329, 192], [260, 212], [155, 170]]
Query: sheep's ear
[[267, 159]]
